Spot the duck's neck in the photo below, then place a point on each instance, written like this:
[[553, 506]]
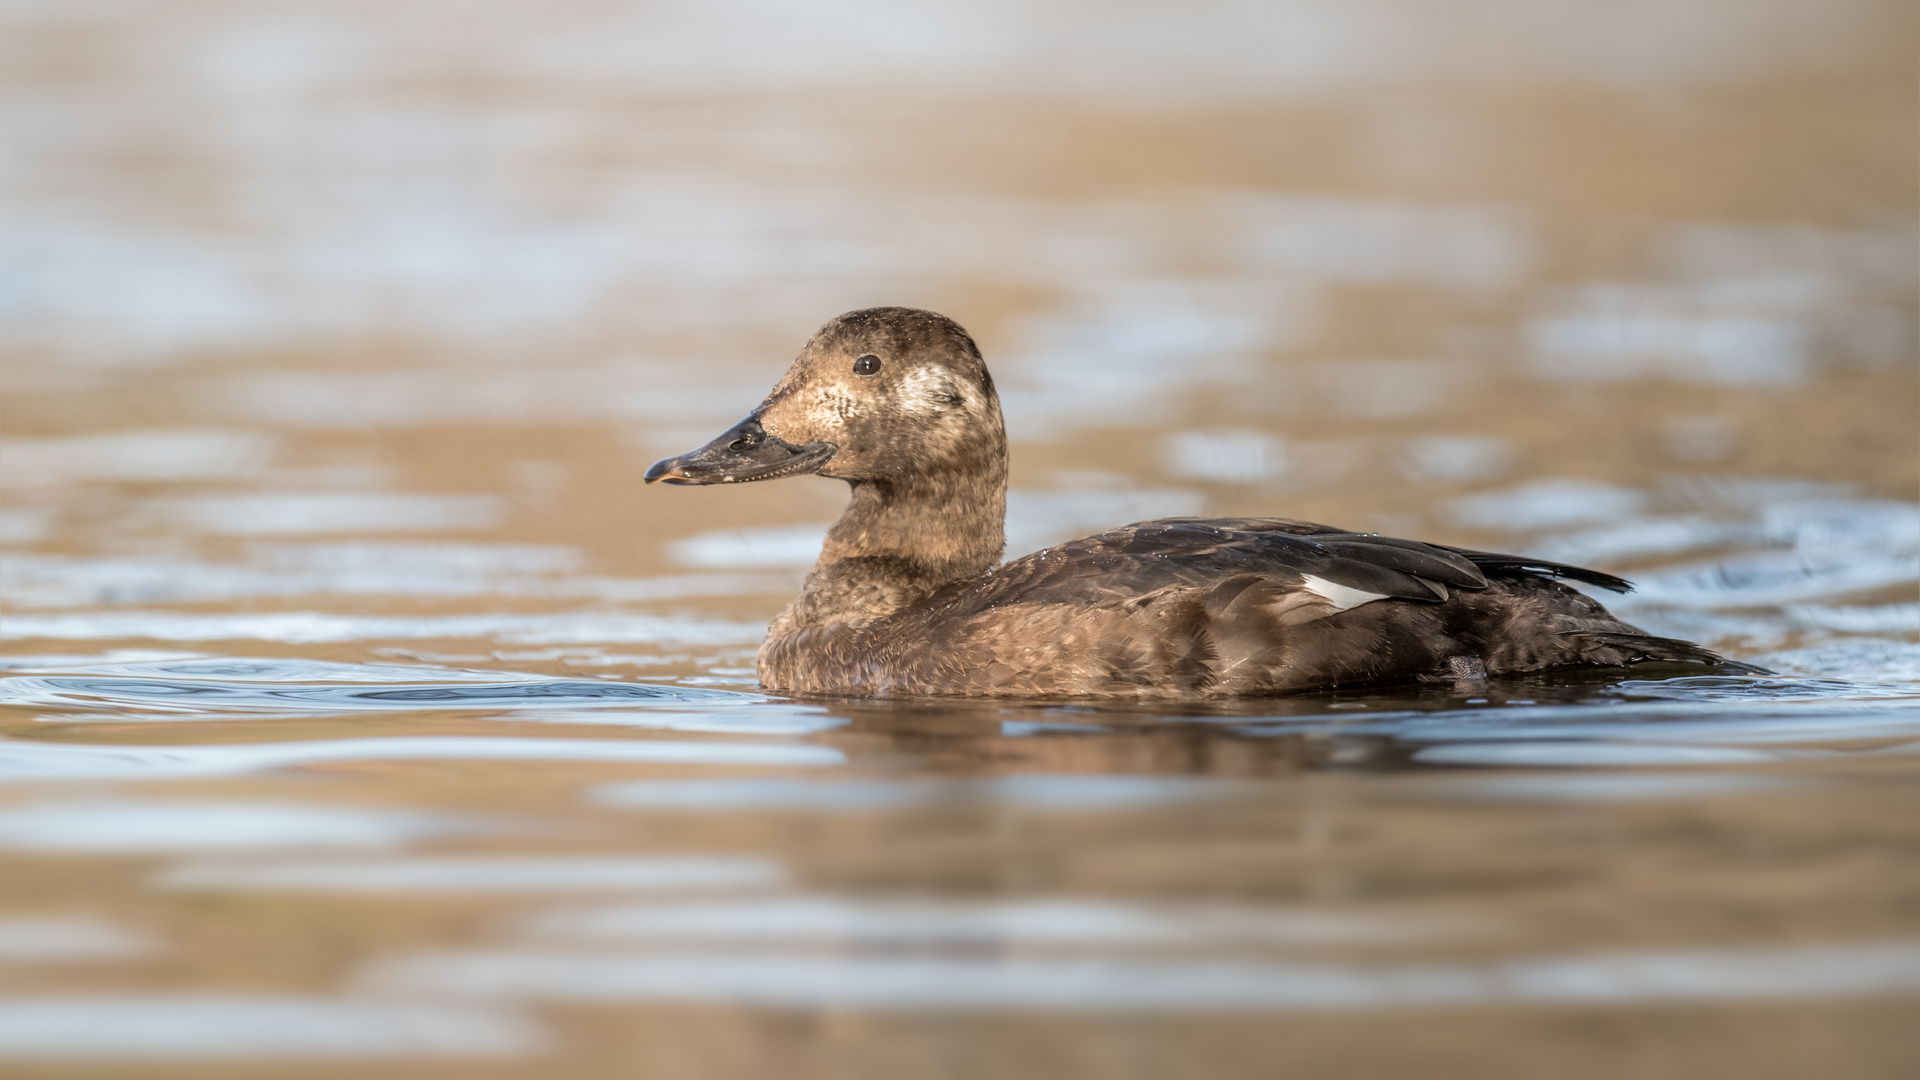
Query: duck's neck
[[900, 541]]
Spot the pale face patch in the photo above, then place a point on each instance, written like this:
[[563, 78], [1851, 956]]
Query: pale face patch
[[826, 407], [932, 389]]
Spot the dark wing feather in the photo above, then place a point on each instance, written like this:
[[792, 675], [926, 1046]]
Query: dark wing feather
[[1404, 556], [1486, 562], [1498, 565], [1197, 552]]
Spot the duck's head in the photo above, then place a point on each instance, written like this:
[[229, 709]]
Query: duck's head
[[882, 394]]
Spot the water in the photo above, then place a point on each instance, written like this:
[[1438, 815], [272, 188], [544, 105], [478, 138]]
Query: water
[[362, 713]]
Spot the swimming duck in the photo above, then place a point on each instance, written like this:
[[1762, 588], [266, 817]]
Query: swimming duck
[[909, 597]]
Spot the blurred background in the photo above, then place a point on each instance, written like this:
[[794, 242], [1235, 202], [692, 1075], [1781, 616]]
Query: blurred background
[[338, 335]]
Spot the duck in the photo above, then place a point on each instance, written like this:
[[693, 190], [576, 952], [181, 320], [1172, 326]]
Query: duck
[[910, 597]]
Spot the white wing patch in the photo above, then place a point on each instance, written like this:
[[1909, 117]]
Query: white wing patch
[[1340, 596]]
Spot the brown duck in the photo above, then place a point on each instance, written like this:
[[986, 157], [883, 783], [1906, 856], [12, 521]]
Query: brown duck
[[909, 597]]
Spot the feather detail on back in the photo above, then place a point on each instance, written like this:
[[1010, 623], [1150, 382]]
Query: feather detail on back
[[1185, 607]]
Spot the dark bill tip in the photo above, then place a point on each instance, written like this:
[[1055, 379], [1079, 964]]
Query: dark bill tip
[[667, 469], [743, 452]]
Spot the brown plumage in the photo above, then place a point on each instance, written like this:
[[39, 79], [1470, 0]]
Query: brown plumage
[[907, 600]]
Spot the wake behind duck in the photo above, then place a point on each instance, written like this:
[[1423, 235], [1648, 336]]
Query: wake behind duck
[[907, 598]]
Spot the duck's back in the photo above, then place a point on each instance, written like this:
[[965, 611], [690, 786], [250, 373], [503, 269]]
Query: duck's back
[[1186, 607]]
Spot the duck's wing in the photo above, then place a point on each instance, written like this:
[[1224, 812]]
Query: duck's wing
[[1490, 563], [1212, 606], [1327, 567], [1330, 569], [1496, 565]]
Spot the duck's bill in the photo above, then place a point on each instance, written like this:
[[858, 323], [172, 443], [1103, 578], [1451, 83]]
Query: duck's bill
[[744, 452]]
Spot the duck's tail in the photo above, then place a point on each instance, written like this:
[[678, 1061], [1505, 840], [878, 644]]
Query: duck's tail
[[1639, 647]]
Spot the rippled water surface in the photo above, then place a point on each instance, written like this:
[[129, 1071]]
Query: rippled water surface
[[361, 713]]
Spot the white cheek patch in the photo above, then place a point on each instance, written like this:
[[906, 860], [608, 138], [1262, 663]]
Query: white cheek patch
[[926, 391], [974, 401], [1340, 596]]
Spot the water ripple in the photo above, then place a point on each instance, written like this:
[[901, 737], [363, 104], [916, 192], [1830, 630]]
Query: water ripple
[[793, 980], [22, 760], [482, 874], [276, 686], [201, 1027], [182, 695]]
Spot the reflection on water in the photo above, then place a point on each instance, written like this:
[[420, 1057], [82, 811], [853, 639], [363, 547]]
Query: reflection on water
[[1091, 879], [224, 1027], [65, 938], [445, 571], [849, 919], [268, 514], [479, 875], [1067, 792], [149, 826], [1611, 787], [22, 760], [133, 455], [362, 708], [309, 627], [1034, 520], [1098, 985]]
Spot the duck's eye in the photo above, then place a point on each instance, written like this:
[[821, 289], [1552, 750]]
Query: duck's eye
[[867, 365]]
